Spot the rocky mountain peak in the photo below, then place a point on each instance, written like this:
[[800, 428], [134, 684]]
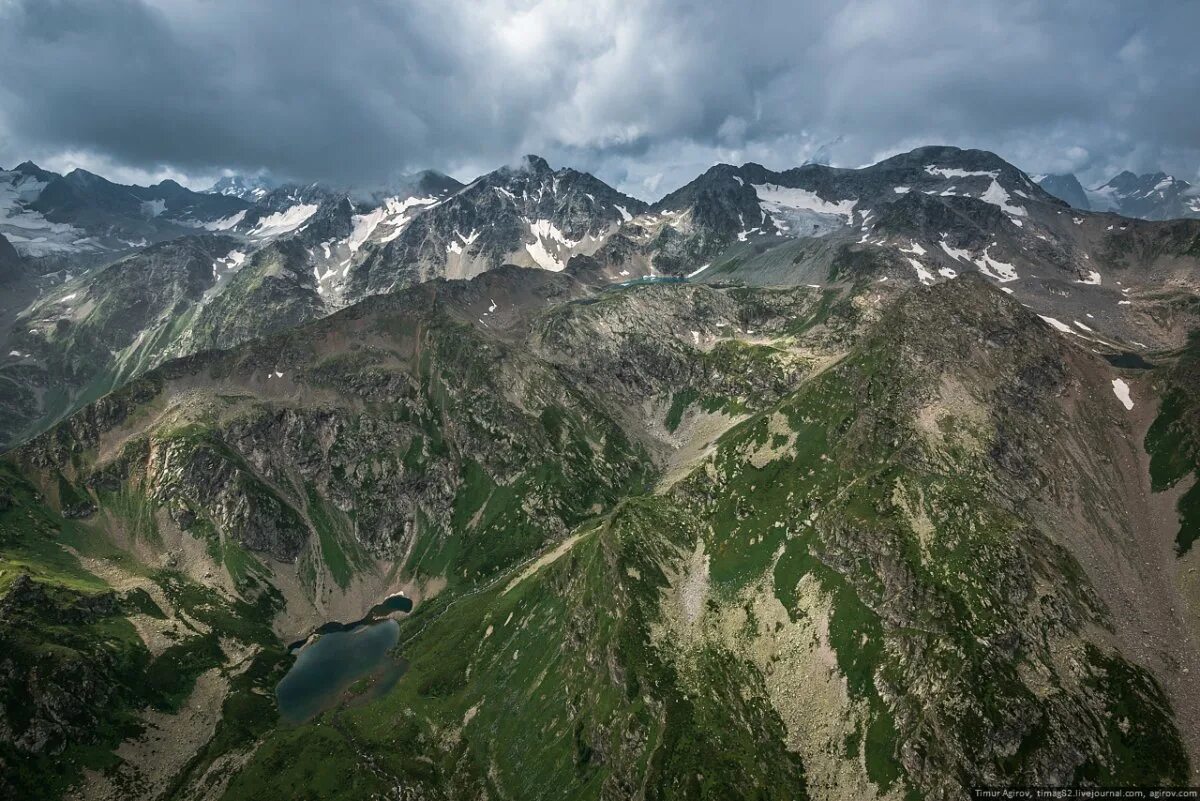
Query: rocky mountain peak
[[250, 188], [33, 170], [436, 183], [1066, 187], [83, 178], [533, 164], [1124, 181], [1151, 196]]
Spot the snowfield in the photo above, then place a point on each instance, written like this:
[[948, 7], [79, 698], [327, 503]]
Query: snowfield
[[284, 222], [1121, 390], [775, 198]]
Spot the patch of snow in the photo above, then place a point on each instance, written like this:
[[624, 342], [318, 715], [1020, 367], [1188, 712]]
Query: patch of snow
[[775, 198], [1124, 302], [900, 190], [1057, 325], [153, 208], [625, 216], [226, 223], [915, 248], [364, 226], [923, 274], [545, 233], [992, 268], [230, 261], [393, 213], [696, 272], [954, 172], [543, 257], [996, 195], [1121, 390], [284, 222], [1083, 327], [954, 253], [1092, 278]]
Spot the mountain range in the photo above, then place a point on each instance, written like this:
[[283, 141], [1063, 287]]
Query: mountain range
[[1153, 196], [818, 483]]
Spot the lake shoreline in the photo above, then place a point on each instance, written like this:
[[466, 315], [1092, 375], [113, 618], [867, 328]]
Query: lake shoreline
[[384, 609]]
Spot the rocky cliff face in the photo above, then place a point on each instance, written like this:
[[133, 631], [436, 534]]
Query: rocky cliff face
[[10, 262], [1067, 189]]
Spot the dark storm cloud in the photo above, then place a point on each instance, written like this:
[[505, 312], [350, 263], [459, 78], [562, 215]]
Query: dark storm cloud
[[646, 94]]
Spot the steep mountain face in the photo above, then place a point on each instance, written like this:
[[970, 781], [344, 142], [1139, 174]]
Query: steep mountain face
[[673, 540], [1153, 196], [86, 337], [10, 262], [45, 214], [528, 215], [1067, 189]]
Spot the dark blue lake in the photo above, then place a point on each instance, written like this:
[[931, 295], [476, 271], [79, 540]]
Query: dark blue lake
[[325, 668]]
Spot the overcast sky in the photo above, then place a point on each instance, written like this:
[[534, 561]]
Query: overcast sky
[[644, 93]]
